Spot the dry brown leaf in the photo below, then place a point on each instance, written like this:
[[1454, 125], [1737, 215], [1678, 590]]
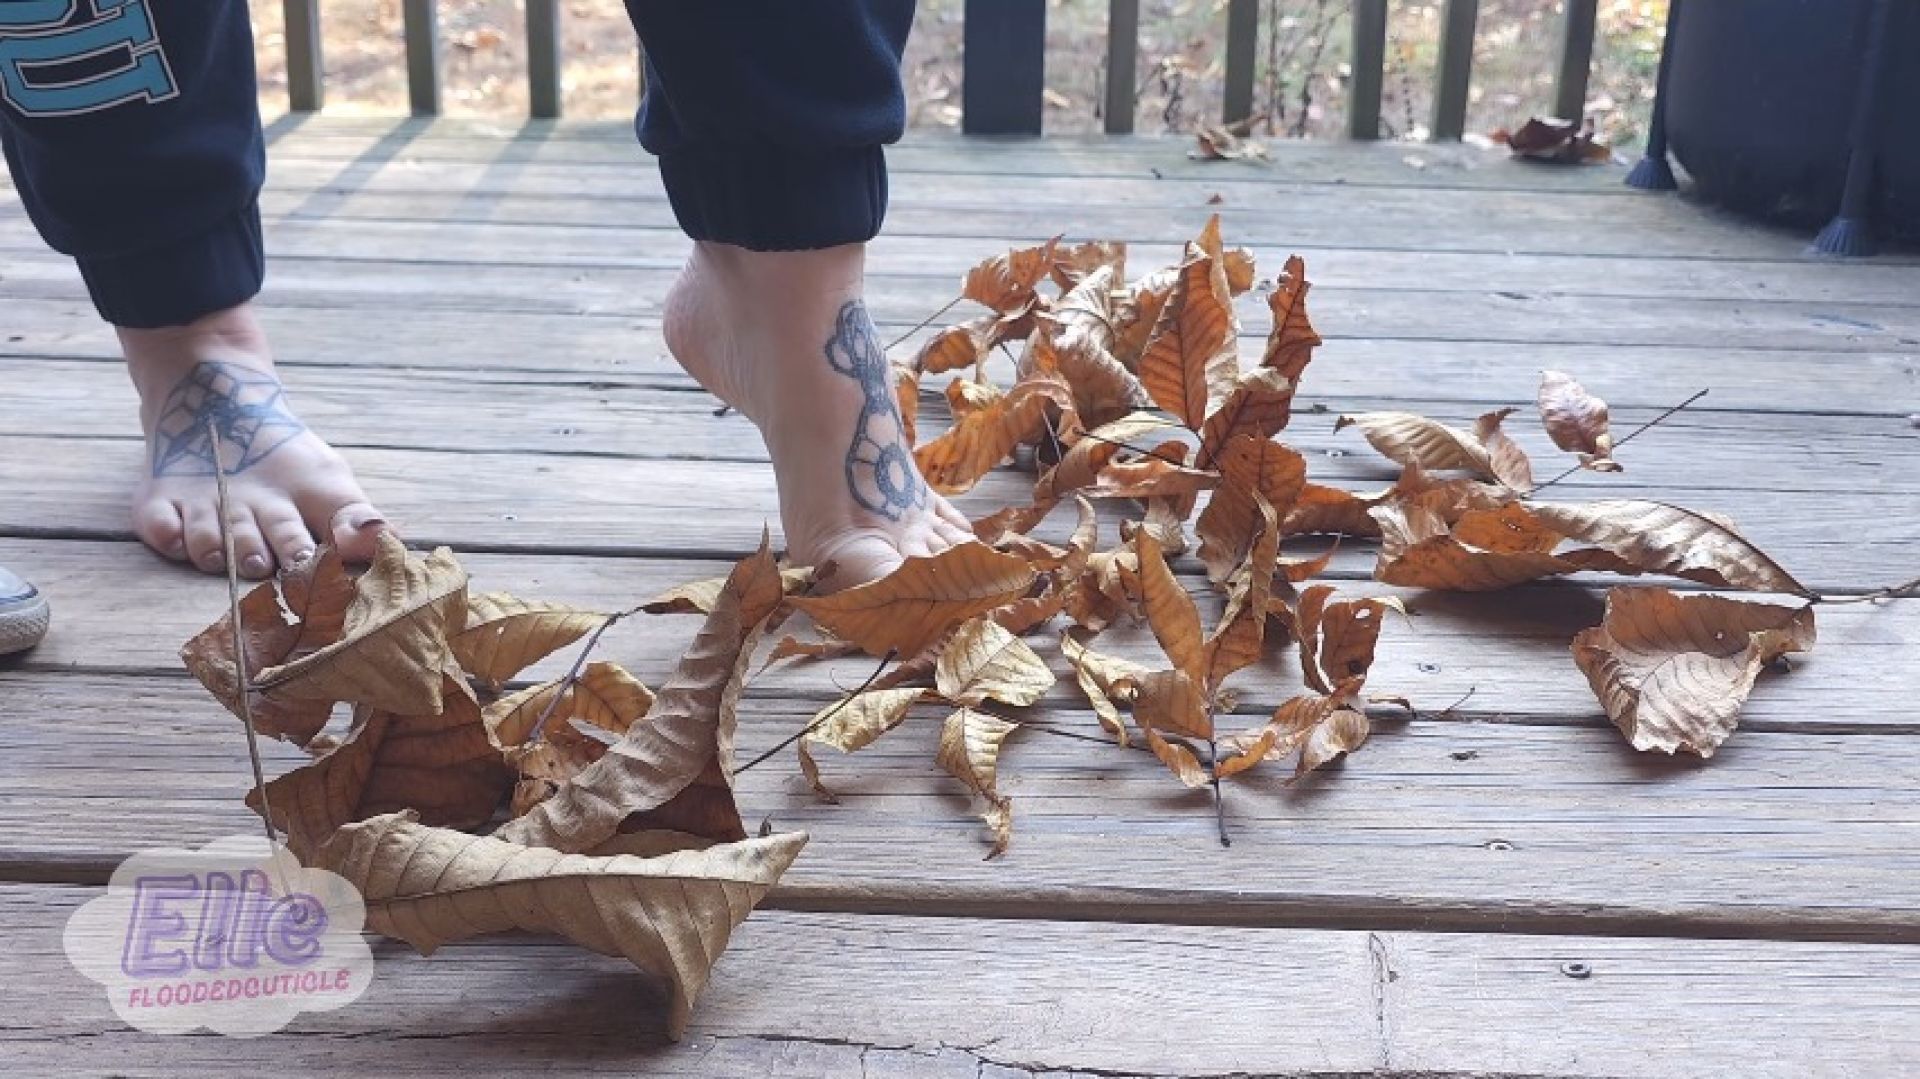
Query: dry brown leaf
[[1076, 263], [1259, 405], [1332, 511], [505, 635], [1661, 538], [789, 647], [1240, 637], [1505, 459], [1190, 356], [674, 770], [1061, 572], [1135, 316], [1291, 342], [1216, 143], [1158, 473], [441, 766], [1337, 639], [1248, 467], [970, 744], [1006, 282], [1411, 439], [1101, 594], [669, 916], [1576, 420], [966, 396], [1083, 339], [1098, 674], [983, 661], [298, 613], [960, 345], [1169, 610], [953, 462], [852, 725], [1169, 702], [1673, 671], [1179, 759], [1419, 550], [393, 646], [925, 598], [604, 695], [1321, 729], [698, 597]]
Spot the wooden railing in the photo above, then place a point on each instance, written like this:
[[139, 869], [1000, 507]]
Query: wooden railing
[[1004, 65]]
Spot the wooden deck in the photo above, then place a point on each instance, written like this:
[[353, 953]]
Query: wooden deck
[[471, 314]]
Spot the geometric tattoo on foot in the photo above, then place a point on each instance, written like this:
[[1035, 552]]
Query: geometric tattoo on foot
[[247, 408], [880, 471]]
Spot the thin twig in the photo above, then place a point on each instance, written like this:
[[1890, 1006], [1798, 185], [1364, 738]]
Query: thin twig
[[1219, 803], [1153, 453], [924, 323], [1908, 590], [1451, 708], [573, 676], [892, 653], [1623, 440], [241, 677]]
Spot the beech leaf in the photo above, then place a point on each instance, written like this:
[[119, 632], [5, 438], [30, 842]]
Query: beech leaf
[[1577, 421], [1291, 342], [1662, 538], [983, 661], [1251, 469], [669, 916], [970, 744], [1337, 638], [1170, 611], [1192, 342], [1411, 439], [699, 597], [1672, 671], [1240, 637], [924, 599], [852, 725], [505, 635], [1098, 676], [955, 460]]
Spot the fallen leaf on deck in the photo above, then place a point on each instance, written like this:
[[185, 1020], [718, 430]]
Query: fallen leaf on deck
[[698, 597], [985, 662], [913, 606], [1672, 671], [1337, 638], [505, 635], [1291, 342], [1097, 675], [1239, 639], [1321, 729], [670, 916], [852, 725], [675, 769], [1170, 611], [1561, 142], [970, 745], [1191, 353], [953, 462], [1661, 538], [1576, 420], [1216, 143], [1251, 470], [1410, 439]]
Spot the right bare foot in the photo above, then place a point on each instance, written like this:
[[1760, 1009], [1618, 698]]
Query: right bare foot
[[288, 489], [784, 338]]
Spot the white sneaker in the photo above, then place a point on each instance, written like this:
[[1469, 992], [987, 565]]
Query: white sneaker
[[23, 614]]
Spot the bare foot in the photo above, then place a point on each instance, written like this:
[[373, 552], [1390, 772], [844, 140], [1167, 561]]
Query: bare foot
[[784, 338], [287, 488]]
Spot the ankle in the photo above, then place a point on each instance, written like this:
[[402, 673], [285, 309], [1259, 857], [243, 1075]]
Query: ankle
[[826, 275], [167, 353]]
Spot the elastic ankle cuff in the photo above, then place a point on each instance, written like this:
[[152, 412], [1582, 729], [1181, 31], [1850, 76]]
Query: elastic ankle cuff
[[172, 285], [777, 199]]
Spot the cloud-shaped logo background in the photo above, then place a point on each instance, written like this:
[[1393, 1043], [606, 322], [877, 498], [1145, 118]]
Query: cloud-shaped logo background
[[235, 937]]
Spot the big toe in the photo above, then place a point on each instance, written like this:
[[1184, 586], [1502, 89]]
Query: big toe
[[356, 529], [859, 560]]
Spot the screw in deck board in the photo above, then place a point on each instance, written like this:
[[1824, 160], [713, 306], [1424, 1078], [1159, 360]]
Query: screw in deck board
[[1851, 233], [1003, 69], [1652, 172]]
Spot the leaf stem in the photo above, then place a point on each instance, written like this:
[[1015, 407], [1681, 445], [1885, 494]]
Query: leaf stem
[[572, 676], [1908, 590], [1623, 440], [924, 323], [1219, 803], [892, 653], [242, 679]]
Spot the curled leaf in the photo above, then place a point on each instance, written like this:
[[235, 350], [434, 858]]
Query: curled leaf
[[1660, 538], [1291, 342], [1098, 675], [505, 635], [925, 598], [1192, 345], [699, 597], [603, 695], [1251, 470], [983, 661], [1337, 638], [1412, 439], [970, 745], [852, 725], [1321, 729], [1419, 550], [670, 916], [1672, 671], [1577, 421], [1006, 282], [1169, 610], [1240, 637], [1259, 405], [955, 461]]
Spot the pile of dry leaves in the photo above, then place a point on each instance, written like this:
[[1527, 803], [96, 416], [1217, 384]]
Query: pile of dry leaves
[[622, 831]]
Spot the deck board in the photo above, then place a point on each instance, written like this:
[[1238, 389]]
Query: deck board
[[1407, 913]]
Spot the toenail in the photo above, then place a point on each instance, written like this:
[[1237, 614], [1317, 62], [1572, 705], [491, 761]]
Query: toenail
[[254, 565], [366, 522], [216, 561], [300, 558]]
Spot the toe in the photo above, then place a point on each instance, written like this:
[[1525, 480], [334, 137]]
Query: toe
[[951, 535], [946, 512], [203, 537], [355, 528], [250, 551], [159, 525], [287, 535]]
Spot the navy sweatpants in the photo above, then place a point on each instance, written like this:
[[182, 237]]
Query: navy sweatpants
[[133, 136]]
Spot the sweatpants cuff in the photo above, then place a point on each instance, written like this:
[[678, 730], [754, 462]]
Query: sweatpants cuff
[[212, 270], [776, 198]]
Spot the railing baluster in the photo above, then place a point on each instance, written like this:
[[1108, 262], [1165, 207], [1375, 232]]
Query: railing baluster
[[1003, 70], [1243, 40], [1455, 75], [1123, 52], [543, 58], [1369, 68], [1576, 57], [420, 23], [306, 85]]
